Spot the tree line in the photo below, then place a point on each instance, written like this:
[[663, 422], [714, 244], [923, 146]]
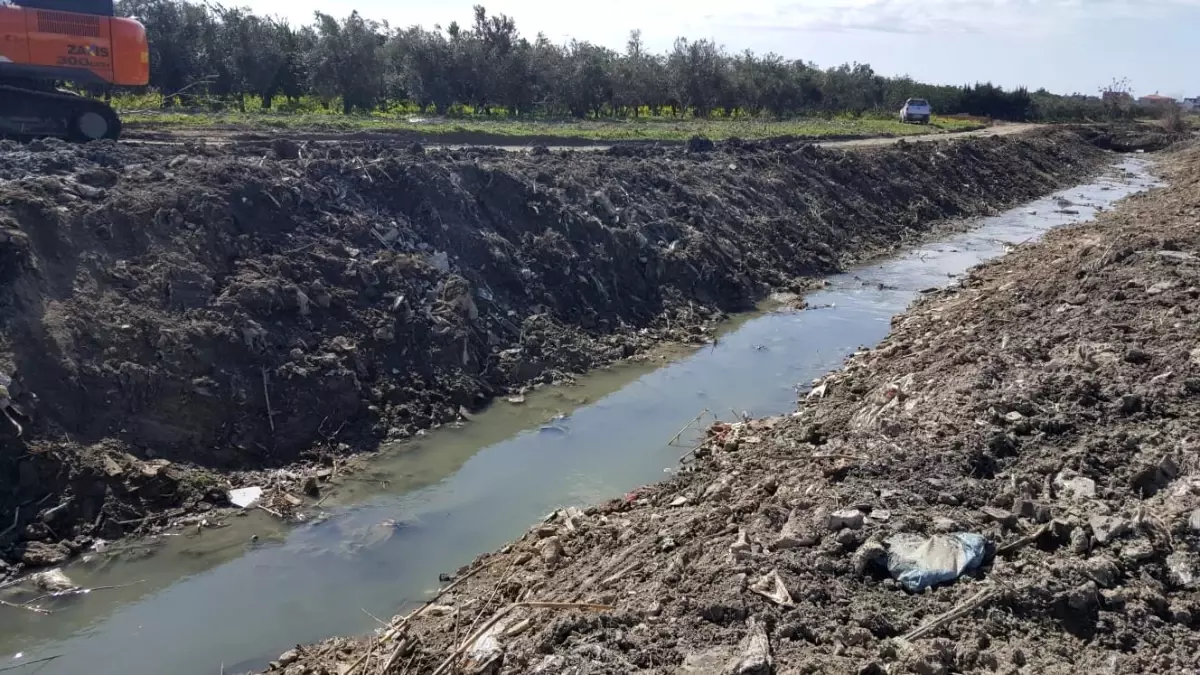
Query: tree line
[[211, 53]]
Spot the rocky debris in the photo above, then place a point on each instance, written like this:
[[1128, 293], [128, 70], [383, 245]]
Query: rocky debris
[[50, 581], [41, 554], [1074, 486], [795, 533], [847, 518], [755, 656], [1107, 528], [917, 428]]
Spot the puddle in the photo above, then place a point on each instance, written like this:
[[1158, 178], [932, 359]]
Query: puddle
[[220, 600]]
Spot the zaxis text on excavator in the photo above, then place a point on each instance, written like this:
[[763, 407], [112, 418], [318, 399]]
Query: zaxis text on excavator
[[44, 42]]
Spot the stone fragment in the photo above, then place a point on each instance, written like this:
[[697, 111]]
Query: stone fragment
[[551, 549], [1107, 528], [41, 554], [795, 534], [1103, 570], [1005, 518], [1074, 486], [848, 518], [755, 657]]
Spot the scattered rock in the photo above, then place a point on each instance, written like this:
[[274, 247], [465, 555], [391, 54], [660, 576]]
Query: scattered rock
[[51, 581], [41, 554], [551, 550], [795, 534], [1184, 570], [311, 487], [1138, 551], [1005, 518], [772, 588], [1103, 570], [755, 653], [849, 518], [1107, 528], [1074, 486]]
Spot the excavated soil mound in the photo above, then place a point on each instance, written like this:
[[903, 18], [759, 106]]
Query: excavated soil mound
[[166, 313], [1047, 404]]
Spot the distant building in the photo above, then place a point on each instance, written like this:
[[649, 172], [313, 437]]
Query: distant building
[[1155, 99], [1190, 104]]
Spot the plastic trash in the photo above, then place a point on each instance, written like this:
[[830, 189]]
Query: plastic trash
[[919, 562], [245, 497]]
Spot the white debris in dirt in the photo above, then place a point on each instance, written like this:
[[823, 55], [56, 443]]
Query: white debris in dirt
[[772, 588], [919, 562], [755, 657], [1194, 521], [486, 648], [742, 544], [245, 497], [52, 581], [1160, 288], [1184, 569], [551, 549], [1072, 485], [439, 260], [848, 518], [1103, 570], [1107, 528], [795, 534]]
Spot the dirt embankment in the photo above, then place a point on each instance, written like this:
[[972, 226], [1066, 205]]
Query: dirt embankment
[[167, 314], [1047, 404]]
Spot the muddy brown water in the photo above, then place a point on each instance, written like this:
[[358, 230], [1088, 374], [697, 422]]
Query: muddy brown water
[[220, 600]]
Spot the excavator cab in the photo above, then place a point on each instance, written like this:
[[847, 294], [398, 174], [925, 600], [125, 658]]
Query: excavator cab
[[45, 42]]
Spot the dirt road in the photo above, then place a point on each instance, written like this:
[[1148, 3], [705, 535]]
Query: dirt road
[[227, 136], [1037, 421]]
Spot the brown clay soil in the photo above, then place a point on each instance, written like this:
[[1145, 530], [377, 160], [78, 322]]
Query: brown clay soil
[[176, 320], [1048, 403]]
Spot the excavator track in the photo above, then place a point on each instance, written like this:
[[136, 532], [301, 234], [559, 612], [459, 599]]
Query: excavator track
[[33, 113]]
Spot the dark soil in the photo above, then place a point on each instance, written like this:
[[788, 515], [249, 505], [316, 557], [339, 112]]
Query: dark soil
[[1047, 403], [172, 317]]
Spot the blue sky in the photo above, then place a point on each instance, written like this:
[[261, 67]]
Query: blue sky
[[1063, 45]]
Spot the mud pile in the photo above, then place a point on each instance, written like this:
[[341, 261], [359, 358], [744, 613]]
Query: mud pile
[[1046, 404], [168, 313]]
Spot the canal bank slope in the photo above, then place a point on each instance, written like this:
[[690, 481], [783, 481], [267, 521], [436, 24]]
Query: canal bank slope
[[1046, 404], [176, 320]]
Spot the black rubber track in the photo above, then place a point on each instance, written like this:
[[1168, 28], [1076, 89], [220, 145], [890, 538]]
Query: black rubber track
[[59, 109]]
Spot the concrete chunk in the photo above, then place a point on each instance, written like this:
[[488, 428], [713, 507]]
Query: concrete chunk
[[1107, 528], [755, 657], [849, 518]]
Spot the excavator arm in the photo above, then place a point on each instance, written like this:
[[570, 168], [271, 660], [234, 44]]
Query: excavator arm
[[43, 42]]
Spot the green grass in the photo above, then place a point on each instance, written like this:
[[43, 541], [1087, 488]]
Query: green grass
[[644, 129]]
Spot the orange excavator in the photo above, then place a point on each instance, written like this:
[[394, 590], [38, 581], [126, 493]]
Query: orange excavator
[[45, 42]]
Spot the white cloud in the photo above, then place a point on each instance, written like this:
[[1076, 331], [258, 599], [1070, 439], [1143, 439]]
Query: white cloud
[[938, 16], [700, 18]]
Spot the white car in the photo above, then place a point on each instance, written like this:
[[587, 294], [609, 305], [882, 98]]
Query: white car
[[916, 110]]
